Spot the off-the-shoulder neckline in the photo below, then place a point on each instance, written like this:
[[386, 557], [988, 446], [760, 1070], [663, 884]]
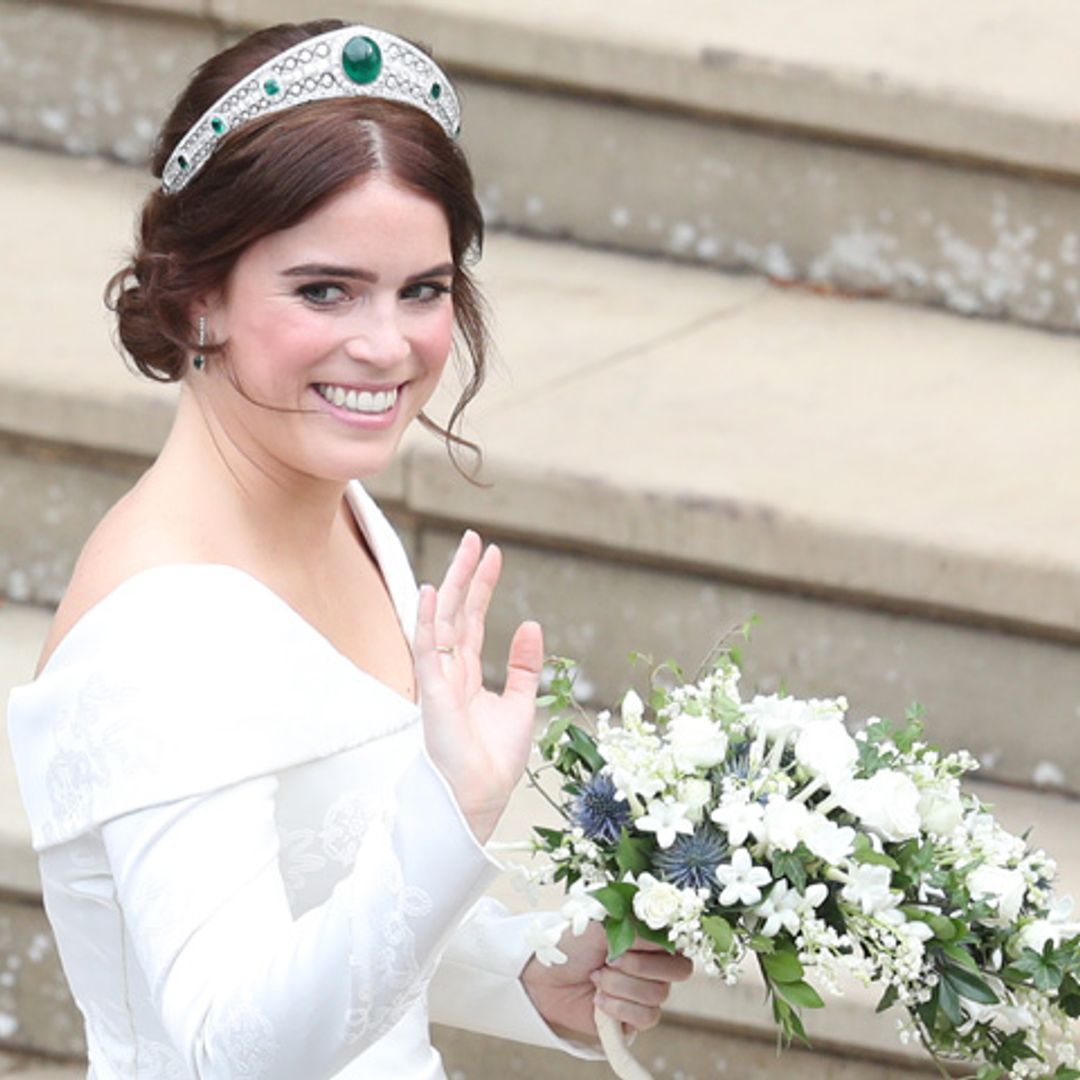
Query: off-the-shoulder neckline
[[93, 613]]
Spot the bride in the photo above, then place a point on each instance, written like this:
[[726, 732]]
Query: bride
[[260, 765]]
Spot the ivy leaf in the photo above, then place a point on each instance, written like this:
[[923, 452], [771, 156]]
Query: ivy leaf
[[781, 966], [719, 930], [617, 898], [631, 853], [620, 936], [969, 986], [865, 853], [949, 1002], [788, 864], [800, 993]]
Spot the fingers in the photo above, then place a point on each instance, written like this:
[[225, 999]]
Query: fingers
[[454, 588], [632, 988], [630, 1014], [647, 960], [525, 662]]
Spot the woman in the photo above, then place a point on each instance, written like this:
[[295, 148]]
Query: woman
[[259, 811]]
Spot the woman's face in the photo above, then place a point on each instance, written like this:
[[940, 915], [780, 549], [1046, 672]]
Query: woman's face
[[346, 316]]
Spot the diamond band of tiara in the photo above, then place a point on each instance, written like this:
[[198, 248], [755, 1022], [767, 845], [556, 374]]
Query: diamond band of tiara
[[356, 61]]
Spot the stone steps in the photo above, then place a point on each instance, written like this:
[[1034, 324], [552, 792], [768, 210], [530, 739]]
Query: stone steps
[[795, 140]]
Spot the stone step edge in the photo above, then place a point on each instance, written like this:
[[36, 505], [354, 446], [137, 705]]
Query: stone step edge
[[764, 545], [726, 84]]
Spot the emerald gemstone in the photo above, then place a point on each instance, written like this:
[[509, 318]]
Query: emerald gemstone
[[436, 91], [272, 87], [182, 161], [362, 60], [218, 125]]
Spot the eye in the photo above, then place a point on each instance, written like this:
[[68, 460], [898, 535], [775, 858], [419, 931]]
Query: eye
[[426, 292], [323, 293]]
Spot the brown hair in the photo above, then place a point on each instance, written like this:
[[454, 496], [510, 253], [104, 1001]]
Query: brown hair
[[269, 175]]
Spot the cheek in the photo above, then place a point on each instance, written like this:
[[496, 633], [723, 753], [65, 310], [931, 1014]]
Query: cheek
[[434, 340]]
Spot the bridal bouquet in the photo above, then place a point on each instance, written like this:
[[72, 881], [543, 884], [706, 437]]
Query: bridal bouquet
[[727, 829]]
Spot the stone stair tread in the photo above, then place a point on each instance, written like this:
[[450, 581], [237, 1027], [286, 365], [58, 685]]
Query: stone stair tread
[[857, 446], [994, 80]]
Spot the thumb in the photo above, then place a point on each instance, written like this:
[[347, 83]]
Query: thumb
[[525, 661]]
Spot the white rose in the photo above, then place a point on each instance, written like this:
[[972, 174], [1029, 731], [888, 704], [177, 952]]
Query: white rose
[[656, 903], [696, 742], [826, 749], [1003, 887], [784, 823], [887, 804], [696, 794], [940, 808]]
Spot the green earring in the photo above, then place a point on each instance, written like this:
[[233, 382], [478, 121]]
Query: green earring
[[200, 360]]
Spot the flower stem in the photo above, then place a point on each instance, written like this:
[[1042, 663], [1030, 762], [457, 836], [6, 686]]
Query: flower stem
[[534, 781]]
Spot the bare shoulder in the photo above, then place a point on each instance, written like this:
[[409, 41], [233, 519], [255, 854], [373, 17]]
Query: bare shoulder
[[130, 538]]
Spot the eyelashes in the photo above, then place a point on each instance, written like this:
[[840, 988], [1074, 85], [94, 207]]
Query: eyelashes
[[331, 294]]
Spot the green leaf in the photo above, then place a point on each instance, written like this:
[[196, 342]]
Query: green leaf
[[888, 999], [617, 899], [632, 853], [969, 986], [865, 853], [949, 1002], [960, 956], [800, 993], [762, 944], [582, 744], [658, 937], [719, 929], [1064, 1073], [782, 966], [788, 864], [620, 936], [944, 928], [552, 837]]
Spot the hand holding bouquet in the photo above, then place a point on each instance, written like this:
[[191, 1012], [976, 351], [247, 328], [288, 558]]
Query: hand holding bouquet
[[723, 829]]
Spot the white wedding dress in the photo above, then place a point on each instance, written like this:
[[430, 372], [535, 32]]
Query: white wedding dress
[[251, 865]]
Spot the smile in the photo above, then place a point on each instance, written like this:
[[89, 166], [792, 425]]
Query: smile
[[359, 401]]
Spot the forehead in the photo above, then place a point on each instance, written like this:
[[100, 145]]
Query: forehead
[[377, 217]]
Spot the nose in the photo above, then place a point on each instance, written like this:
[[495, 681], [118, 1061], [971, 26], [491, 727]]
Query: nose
[[377, 337]]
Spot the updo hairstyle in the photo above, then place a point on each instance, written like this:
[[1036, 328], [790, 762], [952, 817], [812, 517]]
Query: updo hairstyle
[[269, 175]]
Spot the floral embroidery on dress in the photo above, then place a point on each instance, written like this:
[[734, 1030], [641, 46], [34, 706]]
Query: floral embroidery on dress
[[246, 1039]]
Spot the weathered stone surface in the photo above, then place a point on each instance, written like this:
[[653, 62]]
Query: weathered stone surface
[[51, 507], [795, 208], [105, 81], [1013, 702], [671, 1051], [36, 1010]]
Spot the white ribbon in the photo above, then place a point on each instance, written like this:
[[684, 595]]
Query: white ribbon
[[623, 1064]]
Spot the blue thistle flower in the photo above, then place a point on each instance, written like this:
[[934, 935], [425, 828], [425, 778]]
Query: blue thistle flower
[[737, 762], [598, 812], [691, 861]]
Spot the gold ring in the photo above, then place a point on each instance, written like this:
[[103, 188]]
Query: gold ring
[[449, 650]]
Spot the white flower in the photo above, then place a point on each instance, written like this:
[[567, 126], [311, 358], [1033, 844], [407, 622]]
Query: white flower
[[738, 819], [940, 808], [887, 804], [633, 708], [579, 908], [868, 887], [1006, 1018], [826, 749], [696, 742], [783, 823], [657, 903], [786, 908], [742, 880], [666, 819], [777, 717], [696, 794], [1004, 888], [1054, 929], [542, 936], [827, 840]]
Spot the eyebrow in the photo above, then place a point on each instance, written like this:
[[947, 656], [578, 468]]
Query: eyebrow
[[328, 270]]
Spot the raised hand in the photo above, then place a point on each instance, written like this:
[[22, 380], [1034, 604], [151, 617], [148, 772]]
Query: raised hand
[[479, 740]]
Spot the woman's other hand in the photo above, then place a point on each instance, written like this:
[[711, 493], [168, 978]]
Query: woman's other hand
[[631, 989], [479, 740]]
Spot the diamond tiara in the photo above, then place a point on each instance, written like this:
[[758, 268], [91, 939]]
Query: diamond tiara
[[356, 61]]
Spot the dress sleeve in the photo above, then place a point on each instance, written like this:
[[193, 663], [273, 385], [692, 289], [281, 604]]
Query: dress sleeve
[[477, 985], [233, 973]]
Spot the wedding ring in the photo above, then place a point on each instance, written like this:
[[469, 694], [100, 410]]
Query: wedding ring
[[449, 650]]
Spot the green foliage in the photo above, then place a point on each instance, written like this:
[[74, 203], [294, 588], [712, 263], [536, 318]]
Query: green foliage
[[719, 931], [632, 853]]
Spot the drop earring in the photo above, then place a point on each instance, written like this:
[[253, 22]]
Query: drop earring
[[200, 359]]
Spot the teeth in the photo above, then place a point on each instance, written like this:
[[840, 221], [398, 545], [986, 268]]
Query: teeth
[[360, 401]]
